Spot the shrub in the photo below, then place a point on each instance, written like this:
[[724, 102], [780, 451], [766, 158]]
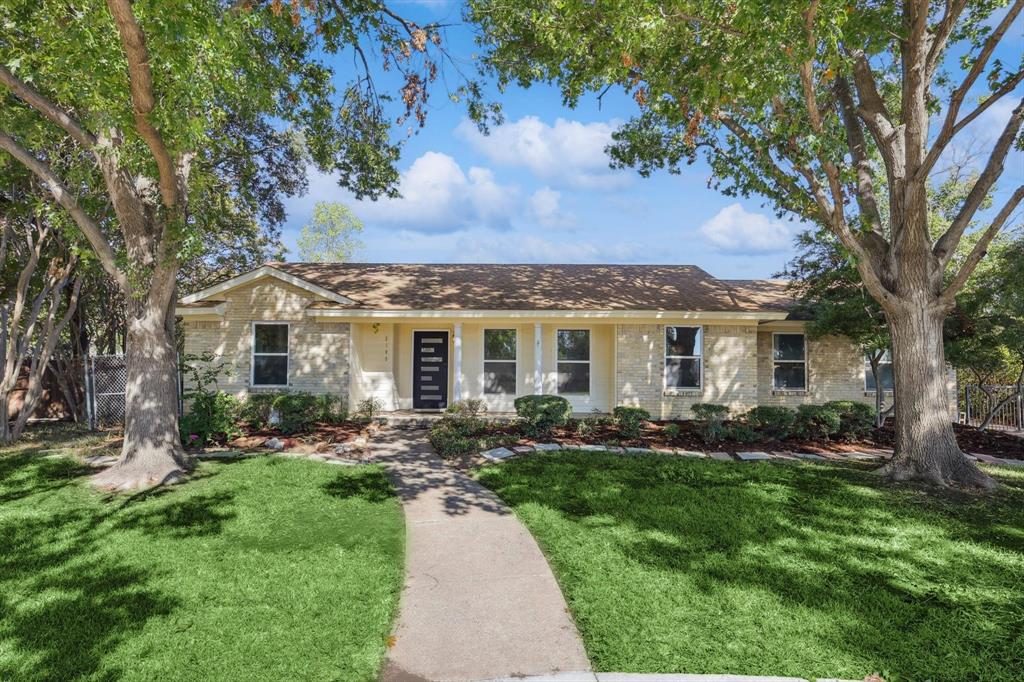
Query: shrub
[[672, 430], [471, 407], [367, 409], [296, 412], [256, 409], [448, 442], [585, 428], [463, 417], [212, 418], [543, 412], [771, 421], [710, 418], [856, 420], [331, 409], [630, 420], [816, 421], [741, 433]]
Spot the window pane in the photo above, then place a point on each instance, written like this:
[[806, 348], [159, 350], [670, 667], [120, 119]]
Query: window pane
[[573, 344], [573, 377], [499, 344], [270, 369], [682, 340], [271, 338], [682, 373], [500, 378], [884, 372], [790, 375], [789, 346]]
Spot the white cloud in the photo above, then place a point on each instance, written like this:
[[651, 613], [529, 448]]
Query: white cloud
[[568, 153], [546, 209], [437, 196], [734, 230]]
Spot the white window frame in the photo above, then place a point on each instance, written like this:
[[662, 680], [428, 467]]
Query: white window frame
[[590, 356], [867, 371], [807, 377], [514, 361], [253, 354], [665, 358]]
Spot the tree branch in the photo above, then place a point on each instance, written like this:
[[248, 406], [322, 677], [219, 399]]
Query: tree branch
[[940, 36], [140, 80], [62, 196], [949, 124], [44, 106], [858, 151], [876, 116], [978, 252], [947, 243]]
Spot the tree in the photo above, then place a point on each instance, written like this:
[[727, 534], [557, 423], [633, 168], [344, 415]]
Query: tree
[[41, 281], [792, 101], [330, 237], [833, 300], [163, 105]]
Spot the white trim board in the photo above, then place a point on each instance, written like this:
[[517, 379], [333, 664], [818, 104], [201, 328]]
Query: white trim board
[[610, 315], [266, 271]]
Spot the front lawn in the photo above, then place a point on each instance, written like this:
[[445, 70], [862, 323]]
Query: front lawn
[[259, 569], [680, 565]]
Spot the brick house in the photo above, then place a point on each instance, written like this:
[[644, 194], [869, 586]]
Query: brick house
[[420, 336]]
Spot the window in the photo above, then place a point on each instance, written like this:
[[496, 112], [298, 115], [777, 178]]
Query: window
[[884, 373], [682, 357], [500, 361], [789, 352], [270, 354], [574, 361]]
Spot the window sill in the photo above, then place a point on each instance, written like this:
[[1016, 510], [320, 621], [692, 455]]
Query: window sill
[[266, 388], [789, 391], [872, 393], [683, 392]]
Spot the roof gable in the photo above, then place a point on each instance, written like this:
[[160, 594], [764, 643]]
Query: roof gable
[[259, 273]]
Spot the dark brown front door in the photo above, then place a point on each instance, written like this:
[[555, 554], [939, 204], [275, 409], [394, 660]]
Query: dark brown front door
[[429, 370]]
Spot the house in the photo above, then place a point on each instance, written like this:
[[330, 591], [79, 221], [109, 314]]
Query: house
[[421, 336]]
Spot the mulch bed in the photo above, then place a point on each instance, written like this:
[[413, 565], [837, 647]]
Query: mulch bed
[[995, 443], [321, 438]]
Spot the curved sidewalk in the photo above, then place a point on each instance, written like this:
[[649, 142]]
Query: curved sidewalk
[[480, 601]]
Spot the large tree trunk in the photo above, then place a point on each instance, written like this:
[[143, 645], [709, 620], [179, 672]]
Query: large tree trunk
[[926, 447], [152, 453]]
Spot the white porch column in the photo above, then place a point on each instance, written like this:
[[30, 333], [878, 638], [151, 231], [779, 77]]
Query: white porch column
[[538, 360], [458, 362]]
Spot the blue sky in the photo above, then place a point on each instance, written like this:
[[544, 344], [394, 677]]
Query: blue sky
[[538, 189]]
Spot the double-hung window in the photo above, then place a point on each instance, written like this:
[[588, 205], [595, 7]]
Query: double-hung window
[[683, 357], [789, 355], [884, 373], [573, 361], [500, 361], [270, 353]]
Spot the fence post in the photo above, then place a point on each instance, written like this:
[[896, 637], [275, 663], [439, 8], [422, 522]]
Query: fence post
[[89, 411]]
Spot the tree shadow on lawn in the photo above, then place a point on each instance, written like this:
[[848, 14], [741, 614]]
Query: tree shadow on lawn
[[70, 591], [895, 576], [369, 484]]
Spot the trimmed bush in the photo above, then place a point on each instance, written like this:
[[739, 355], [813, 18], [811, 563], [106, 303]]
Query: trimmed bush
[[367, 409], [856, 419], [543, 412], [470, 407], [211, 418], [771, 422], [463, 417], [630, 420], [256, 409], [672, 431], [296, 412], [710, 418], [331, 409], [741, 433], [816, 421]]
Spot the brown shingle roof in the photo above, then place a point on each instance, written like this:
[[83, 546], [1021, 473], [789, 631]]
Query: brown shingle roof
[[439, 286]]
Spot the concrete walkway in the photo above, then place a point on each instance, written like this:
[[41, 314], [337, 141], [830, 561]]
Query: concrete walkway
[[480, 601]]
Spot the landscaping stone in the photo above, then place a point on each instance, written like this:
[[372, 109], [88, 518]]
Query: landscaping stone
[[593, 448], [547, 447], [663, 451], [691, 453], [343, 462], [782, 454], [570, 446], [613, 449], [497, 454], [863, 456], [752, 456], [988, 458], [640, 451], [523, 449], [274, 444], [359, 442], [721, 456], [1014, 462], [248, 442], [811, 457]]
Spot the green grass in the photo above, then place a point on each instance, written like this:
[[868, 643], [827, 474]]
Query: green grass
[[258, 569], [697, 566]]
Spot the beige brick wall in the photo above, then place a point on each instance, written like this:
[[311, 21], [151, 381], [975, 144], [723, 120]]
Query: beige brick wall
[[729, 369], [318, 351]]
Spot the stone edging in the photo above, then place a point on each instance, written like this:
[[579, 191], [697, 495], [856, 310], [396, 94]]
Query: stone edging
[[502, 453], [654, 677]]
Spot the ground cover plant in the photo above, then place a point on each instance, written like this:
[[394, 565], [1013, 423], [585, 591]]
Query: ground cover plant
[[673, 564], [257, 569]]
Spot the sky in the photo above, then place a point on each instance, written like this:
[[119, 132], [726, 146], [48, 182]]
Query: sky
[[538, 189]]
